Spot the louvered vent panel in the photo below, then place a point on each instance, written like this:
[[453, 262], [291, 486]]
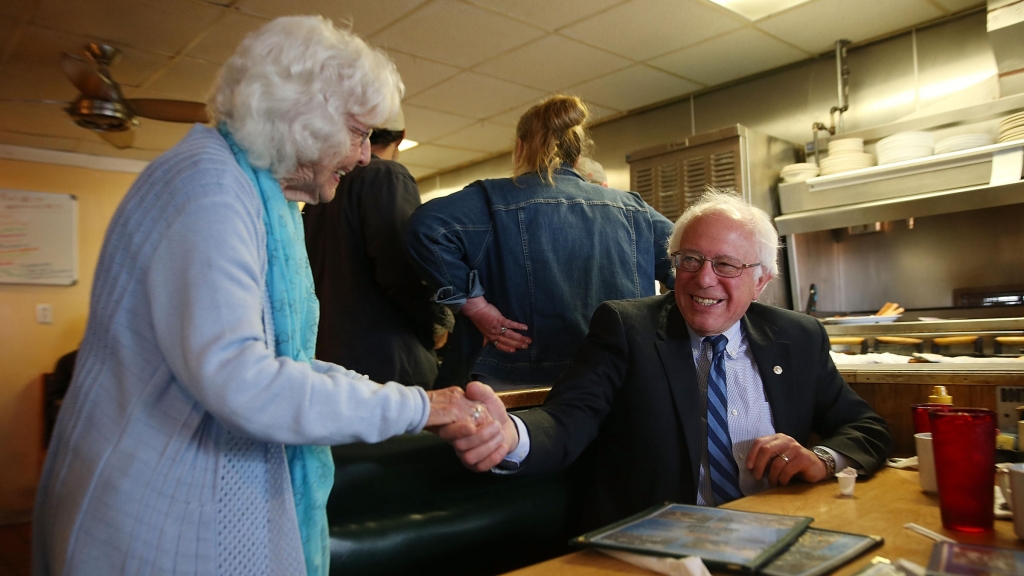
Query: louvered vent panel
[[724, 170], [696, 177], [668, 190], [643, 184]]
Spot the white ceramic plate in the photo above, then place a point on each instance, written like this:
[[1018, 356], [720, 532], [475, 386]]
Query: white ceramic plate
[[861, 319]]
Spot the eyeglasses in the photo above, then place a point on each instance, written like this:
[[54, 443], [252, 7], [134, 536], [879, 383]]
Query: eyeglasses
[[363, 135], [724, 266]]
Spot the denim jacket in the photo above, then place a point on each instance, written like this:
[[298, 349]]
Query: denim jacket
[[544, 255]]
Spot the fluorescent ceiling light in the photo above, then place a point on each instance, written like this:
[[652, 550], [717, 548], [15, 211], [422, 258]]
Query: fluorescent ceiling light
[[406, 144], [757, 9]]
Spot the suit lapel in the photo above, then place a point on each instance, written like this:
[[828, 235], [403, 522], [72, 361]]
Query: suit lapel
[[773, 364], [673, 345]]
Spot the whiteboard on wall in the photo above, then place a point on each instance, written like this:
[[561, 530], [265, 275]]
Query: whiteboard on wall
[[38, 238]]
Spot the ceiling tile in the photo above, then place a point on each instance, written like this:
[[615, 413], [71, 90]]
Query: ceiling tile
[[482, 136], [34, 141], [533, 64], [734, 55], [157, 135], [439, 156], [418, 172], [186, 79], [164, 26], [642, 29], [475, 95], [36, 83], [423, 125], [545, 13], [815, 26], [365, 17], [99, 147], [38, 119], [220, 42], [511, 116], [41, 48], [633, 87], [418, 74], [455, 33]]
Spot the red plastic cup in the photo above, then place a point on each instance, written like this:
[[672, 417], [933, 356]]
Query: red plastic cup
[[920, 413], [964, 445]]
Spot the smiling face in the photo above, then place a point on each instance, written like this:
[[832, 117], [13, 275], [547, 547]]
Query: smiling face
[[709, 303], [318, 182]]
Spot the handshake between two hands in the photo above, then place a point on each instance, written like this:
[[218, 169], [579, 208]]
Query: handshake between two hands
[[475, 423]]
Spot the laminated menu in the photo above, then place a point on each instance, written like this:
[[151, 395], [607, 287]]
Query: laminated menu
[[729, 539], [819, 552], [952, 558]]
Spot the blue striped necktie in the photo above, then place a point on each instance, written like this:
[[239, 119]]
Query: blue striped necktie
[[724, 476]]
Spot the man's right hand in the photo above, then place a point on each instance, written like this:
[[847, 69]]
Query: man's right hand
[[480, 449]]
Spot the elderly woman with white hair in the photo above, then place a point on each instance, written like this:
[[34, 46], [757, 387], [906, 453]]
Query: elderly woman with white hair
[[194, 436]]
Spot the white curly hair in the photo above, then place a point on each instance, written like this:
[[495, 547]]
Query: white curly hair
[[289, 90]]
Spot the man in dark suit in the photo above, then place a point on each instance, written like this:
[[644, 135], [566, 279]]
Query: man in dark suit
[[657, 407]]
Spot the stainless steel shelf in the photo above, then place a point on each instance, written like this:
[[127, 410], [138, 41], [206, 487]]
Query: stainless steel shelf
[[915, 206]]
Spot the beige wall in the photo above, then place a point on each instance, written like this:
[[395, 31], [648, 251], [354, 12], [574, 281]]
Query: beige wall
[[945, 66], [28, 349]]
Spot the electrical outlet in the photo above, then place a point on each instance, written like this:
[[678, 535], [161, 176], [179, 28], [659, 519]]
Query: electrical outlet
[[44, 313]]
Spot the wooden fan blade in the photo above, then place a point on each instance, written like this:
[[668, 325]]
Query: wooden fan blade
[[170, 110], [120, 139], [87, 79]]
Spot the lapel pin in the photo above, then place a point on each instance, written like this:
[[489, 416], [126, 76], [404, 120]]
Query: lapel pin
[[777, 369]]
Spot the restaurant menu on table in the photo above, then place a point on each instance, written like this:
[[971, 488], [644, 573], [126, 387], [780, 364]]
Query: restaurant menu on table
[[953, 559], [721, 538]]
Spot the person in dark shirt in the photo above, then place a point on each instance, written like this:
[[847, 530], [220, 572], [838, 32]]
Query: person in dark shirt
[[376, 317]]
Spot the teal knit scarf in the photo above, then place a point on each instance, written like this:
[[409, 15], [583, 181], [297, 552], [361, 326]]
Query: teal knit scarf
[[296, 313]]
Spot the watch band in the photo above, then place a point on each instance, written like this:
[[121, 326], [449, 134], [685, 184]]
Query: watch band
[[826, 457]]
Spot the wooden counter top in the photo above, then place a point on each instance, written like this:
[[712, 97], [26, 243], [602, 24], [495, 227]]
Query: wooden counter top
[[880, 506]]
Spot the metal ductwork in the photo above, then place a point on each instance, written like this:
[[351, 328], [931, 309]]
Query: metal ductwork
[[1006, 34]]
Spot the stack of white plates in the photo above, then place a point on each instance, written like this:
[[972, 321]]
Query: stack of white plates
[[962, 142], [1012, 128], [799, 172], [836, 163], [846, 145], [845, 155], [905, 146]]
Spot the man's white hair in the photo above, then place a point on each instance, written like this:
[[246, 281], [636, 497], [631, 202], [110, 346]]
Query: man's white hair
[[288, 92], [725, 203]]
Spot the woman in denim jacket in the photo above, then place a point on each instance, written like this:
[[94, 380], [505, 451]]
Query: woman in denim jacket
[[528, 259]]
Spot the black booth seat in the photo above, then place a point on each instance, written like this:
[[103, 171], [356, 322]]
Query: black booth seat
[[407, 505]]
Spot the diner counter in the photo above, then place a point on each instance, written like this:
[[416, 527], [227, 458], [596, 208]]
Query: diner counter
[[880, 506]]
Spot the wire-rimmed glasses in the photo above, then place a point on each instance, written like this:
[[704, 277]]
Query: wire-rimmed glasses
[[724, 266]]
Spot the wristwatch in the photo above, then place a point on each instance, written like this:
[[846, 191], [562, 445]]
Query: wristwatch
[[826, 457]]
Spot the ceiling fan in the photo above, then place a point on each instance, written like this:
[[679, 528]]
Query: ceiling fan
[[102, 108]]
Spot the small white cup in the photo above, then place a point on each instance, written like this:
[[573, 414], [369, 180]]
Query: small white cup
[[1011, 483], [926, 463], [847, 481]]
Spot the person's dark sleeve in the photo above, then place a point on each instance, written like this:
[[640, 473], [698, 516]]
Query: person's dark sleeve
[[844, 421], [572, 414], [384, 213]]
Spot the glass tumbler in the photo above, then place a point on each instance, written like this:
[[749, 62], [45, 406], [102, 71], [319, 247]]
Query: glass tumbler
[[964, 447]]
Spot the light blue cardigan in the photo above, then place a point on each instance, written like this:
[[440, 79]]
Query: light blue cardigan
[[168, 455]]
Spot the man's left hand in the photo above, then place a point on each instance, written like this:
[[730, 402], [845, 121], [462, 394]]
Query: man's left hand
[[782, 458]]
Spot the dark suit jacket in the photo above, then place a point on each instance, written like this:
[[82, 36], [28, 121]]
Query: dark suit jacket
[[626, 415]]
